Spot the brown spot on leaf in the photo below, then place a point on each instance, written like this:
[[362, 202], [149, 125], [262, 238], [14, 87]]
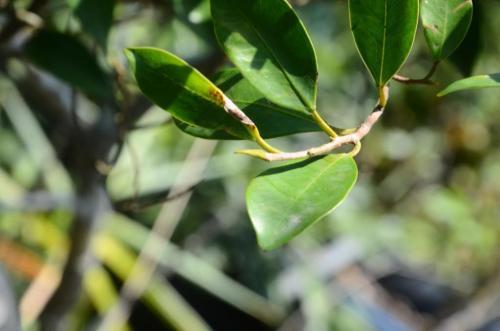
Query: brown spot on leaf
[[217, 96]]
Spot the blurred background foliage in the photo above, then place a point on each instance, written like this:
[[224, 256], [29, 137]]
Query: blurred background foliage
[[86, 164]]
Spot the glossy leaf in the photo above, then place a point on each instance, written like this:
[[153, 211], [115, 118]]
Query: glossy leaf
[[384, 31], [66, 58], [472, 83], [96, 17], [269, 44], [283, 201], [175, 86], [200, 132], [271, 119], [467, 54], [446, 23]]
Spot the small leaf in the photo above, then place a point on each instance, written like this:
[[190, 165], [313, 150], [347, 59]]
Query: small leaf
[[472, 83], [384, 31], [446, 23], [66, 58], [465, 56], [175, 86], [269, 45], [96, 17], [283, 201]]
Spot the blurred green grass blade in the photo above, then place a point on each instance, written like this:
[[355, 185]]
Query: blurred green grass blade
[[100, 289], [199, 272], [11, 192], [37, 143], [472, 83], [159, 295]]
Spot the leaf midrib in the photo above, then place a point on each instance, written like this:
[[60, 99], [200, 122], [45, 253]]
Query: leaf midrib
[[443, 38], [384, 40], [201, 96], [280, 65], [296, 198]]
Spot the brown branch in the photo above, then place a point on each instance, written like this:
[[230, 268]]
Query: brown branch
[[150, 200], [421, 81], [352, 138]]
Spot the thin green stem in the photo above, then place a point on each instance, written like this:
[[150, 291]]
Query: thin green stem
[[427, 80], [323, 124], [357, 148], [254, 131]]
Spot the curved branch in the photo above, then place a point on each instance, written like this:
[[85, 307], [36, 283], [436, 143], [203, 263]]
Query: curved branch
[[422, 81], [352, 138]]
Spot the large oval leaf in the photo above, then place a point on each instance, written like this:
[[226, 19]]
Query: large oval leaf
[[66, 57], [384, 31], [272, 120], [268, 43], [283, 201], [472, 83], [446, 23], [175, 86]]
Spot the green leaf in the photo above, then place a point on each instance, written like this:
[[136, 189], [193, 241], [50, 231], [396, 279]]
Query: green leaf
[[272, 120], [96, 17], [446, 23], [384, 31], [175, 86], [283, 201], [472, 83], [66, 58], [269, 44], [465, 56], [199, 132]]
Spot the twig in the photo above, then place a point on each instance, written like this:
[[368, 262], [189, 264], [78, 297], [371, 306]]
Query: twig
[[422, 81], [165, 224], [352, 138], [144, 202]]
